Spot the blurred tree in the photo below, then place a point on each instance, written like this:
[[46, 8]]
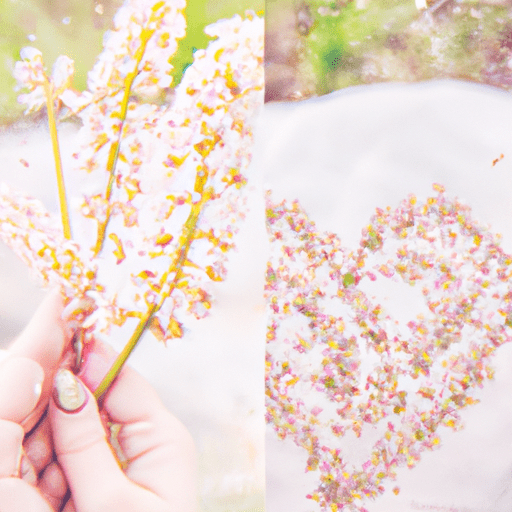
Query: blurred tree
[[353, 42], [287, 23]]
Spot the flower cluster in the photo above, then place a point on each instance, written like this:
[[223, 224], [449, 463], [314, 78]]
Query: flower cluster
[[36, 237], [158, 185], [362, 393]]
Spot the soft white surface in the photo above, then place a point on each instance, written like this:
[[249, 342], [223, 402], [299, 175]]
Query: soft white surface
[[212, 380], [342, 156]]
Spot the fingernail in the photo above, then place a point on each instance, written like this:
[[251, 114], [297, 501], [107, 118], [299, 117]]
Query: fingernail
[[78, 306], [68, 392]]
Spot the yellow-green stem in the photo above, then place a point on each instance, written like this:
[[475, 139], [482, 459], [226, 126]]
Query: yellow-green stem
[[52, 125], [123, 356], [114, 148], [102, 225], [190, 228]]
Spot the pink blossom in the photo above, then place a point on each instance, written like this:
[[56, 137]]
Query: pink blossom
[[163, 182]]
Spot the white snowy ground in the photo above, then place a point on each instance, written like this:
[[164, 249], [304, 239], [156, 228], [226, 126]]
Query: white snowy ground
[[212, 380], [342, 156]]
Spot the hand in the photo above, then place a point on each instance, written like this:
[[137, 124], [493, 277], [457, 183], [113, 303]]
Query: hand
[[65, 462]]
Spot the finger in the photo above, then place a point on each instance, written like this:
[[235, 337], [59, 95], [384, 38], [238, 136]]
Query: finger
[[159, 449], [95, 480], [53, 485], [98, 360], [11, 450], [17, 495], [13, 459], [27, 471], [80, 442], [39, 446], [44, 340], [21, 381]]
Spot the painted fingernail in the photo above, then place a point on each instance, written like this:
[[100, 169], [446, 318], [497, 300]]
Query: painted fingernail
[[68, 392]]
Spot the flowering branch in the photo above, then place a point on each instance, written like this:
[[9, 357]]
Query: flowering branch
[[177, 270], [157, 12], [164, 181], [118, 364], [30, 73]]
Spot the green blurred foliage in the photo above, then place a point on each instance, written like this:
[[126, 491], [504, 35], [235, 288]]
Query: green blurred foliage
[[70, 27], [201, 13], [352, 42], [338, 41], [76, 27]]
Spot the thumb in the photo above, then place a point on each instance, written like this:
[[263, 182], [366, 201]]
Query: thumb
[[80, 443]]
